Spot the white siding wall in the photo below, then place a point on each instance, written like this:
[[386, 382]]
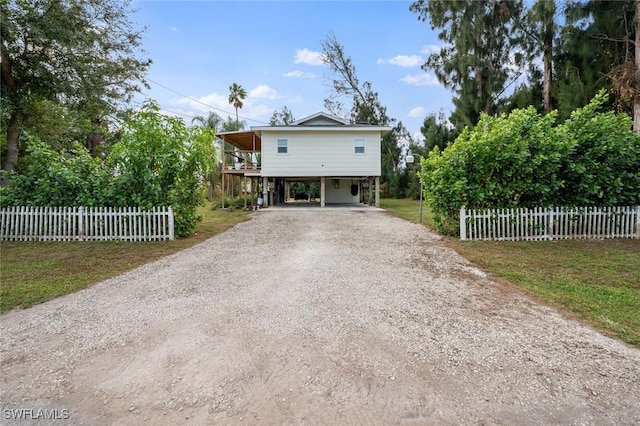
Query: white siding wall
[[342, 194], [317, 153]]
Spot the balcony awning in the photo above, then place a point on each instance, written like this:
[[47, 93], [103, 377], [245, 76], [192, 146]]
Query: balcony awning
[[245, 140]]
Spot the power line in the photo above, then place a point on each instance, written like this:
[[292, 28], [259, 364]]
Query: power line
[[202, 103]]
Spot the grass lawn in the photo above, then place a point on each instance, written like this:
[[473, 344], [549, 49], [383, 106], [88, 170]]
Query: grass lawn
[[34, 272], [594, 280]]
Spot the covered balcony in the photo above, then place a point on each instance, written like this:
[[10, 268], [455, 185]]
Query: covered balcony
[[242, 152]]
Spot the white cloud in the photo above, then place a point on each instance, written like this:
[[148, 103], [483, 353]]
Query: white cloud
[[219, 104], [402, 61], [420, 80], [263, 91], [431, 48], [174, 29], [406, 61], [309, 57], [416, 112], [213, 99], [299, 74]]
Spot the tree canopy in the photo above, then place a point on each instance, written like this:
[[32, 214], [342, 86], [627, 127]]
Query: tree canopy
[[79, 53]]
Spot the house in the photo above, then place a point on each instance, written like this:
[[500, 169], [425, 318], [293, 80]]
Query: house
[[343, 158]]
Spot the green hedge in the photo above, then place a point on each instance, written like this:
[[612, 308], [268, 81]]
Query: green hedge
[[525, 159]]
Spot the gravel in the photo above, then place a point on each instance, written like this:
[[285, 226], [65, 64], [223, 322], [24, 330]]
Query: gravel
[[328, 316]]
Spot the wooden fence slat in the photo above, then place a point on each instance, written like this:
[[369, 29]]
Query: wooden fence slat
[[22, 223], [549, 223]]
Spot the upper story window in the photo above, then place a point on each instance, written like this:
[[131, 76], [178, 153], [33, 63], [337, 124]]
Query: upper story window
[[359, 146], [283, 146]]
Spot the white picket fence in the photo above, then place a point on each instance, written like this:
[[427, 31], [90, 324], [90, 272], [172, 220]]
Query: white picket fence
[[85, 224], [549, 224]]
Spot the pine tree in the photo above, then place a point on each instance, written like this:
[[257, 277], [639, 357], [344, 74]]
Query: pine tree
[[479, 37]]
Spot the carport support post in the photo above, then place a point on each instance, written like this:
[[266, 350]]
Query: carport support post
[[370, 191], [322, 189], [222, 185], [286, 191], [265, 192], [377, 191]]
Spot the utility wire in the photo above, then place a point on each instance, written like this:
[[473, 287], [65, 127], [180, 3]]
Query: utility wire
[[202, 103]]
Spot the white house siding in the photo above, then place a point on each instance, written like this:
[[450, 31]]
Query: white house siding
[[342, 194], [320, 153]]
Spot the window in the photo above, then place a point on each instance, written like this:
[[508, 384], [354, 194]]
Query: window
[[359, 146], [283, 146]]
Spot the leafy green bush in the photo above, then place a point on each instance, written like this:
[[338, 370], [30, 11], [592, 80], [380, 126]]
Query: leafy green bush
[[602, 165], [506, 161], [524, 160], [159, 162], [57, 178]]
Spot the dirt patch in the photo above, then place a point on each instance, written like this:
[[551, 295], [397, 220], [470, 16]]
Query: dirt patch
[[313, 317]]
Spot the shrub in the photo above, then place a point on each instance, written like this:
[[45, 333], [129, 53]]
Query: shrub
[[57, 178], [602, 164], [506, 161], [159, 162], [524, 160]]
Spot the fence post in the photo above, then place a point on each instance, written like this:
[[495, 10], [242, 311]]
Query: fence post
[[636, 231], [171, 237], [463, 223], [81, 223]]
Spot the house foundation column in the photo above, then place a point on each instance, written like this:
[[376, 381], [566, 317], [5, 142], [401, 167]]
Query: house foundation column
[[370, 186], [265, 191], [322, 190], [222, 191], [377, 191]]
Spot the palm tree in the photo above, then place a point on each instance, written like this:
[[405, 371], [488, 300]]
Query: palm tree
[[213, 121], [236, 95]]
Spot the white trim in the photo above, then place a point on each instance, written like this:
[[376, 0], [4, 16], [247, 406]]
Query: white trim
[[352, 128]]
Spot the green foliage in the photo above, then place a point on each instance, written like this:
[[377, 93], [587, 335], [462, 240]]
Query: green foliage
[[237, 203], [602, 166], [524, 160], [597, 36], [57, 178], [159, 162], [437, 132], [479, 49], [82, 54]]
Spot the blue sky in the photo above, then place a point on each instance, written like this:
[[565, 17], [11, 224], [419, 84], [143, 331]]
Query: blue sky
[[272, 49]]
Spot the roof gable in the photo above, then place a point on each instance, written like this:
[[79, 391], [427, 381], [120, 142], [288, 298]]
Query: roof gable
[[320, 119]]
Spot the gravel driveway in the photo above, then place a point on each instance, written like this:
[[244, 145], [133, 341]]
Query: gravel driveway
[[326, 316]]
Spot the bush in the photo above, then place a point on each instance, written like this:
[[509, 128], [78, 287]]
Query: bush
[[524, 160], [159, 162], [602, 164], [57, 178], [506, 161]]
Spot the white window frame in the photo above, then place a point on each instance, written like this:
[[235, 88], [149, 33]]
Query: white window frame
[[286, 146], [359, 143]]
